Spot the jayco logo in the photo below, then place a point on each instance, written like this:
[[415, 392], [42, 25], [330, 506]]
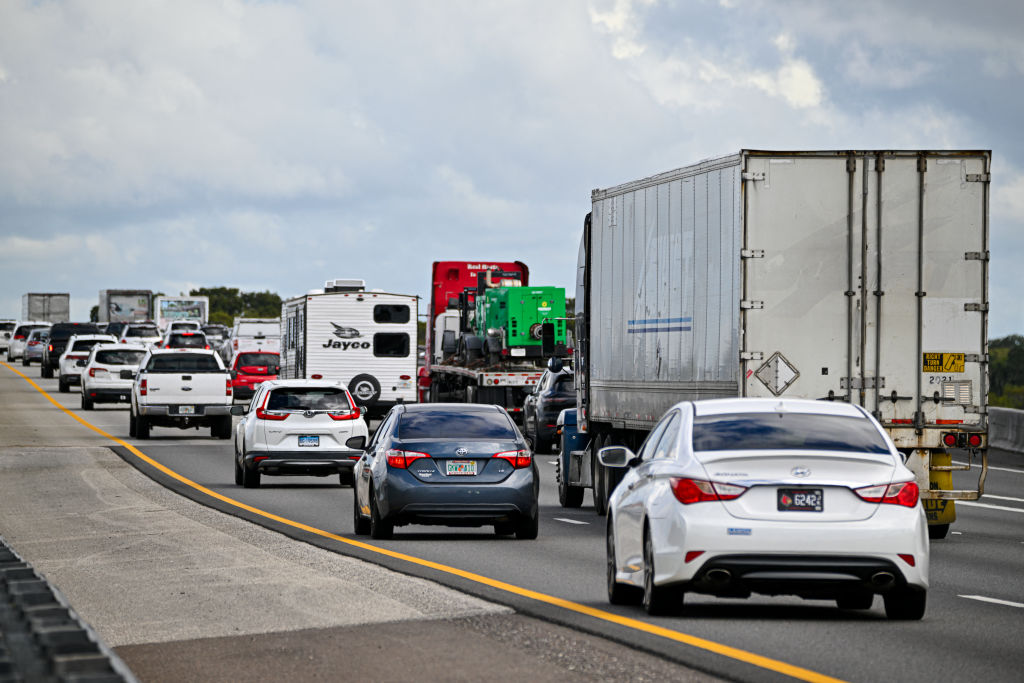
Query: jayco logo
[[343, 332]]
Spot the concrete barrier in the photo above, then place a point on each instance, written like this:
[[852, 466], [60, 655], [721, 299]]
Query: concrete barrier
[[1006, 429]]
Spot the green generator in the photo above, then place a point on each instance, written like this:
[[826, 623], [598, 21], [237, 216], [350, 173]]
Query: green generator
[[510, 319]]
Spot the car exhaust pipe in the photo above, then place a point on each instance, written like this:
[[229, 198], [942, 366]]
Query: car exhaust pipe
[[719, 577], [882, 579]]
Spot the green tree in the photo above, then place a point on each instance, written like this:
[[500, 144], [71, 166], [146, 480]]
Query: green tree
[[1006, 371]]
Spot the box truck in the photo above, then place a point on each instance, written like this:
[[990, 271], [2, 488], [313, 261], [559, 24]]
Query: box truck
[[168, 308], [858, 276], [125, 305], [46, 307]]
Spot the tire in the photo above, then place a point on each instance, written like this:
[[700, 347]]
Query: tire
[[346, 479], [45, 371], [937, 531], [658, 601], [222, 428], [905, 604], [380, 529], [856, 601], [250, 477], [133, 429], [62, 386], [86, 403], [141, 427], [24, 361], [618, 593], [568, 496], [540, 445], [527, 528], [360, 525], [599, 477], [504, 529], [365, 389], [238, 471]]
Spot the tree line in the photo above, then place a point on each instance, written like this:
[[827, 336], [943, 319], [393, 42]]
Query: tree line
[[1006, 371]]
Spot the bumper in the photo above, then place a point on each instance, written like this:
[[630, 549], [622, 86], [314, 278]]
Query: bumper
[[71, 379], [403, 499], [107, 394], [171, 411], [298, 463]]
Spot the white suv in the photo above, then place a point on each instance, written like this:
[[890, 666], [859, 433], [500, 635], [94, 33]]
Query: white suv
[[19, 338], [109, 373], [298, 427], [140, 333], [75, 354]]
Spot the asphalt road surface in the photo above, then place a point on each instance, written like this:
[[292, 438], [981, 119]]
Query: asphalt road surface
[[971, 630]]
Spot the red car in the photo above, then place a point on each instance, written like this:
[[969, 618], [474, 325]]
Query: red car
[[252, 367]]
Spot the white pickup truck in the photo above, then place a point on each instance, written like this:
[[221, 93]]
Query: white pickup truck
[[181, 388]]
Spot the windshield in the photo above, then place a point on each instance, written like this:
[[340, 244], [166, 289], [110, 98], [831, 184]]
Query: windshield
[[257, 360], [24, 330], [258, 329], [452, 423], [119, 357], [64, 332], [142, 331], [39, 335], [186, 341], [214, 330], [86, 344], [7, 327], [564, 385], [183, 362], [115, 328], [786, 431], [309, 398]]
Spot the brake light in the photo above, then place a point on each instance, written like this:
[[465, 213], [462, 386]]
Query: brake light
[[207, 347], [19, 336], [949, 439], [903, 493], [351, 415], [404, 377], [227, 387], [261, 412], [518, 459], [316, 376], [51, 348], [688, 491], [402, 459], [974, 440], [143, 389]]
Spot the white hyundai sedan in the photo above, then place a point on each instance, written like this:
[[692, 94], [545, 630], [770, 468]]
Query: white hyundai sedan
[[298, 427], [772, 496]]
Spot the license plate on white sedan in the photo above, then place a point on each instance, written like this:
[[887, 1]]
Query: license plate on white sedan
[[461, 468], [186, 410], [801, 500], [309, 442]]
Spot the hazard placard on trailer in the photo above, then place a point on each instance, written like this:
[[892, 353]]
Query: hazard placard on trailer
[[942, 362]]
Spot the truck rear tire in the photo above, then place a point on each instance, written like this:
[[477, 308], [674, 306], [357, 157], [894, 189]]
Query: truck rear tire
[[937, 531], [568, 496], [45, 372], [141, 427], [599, 476], [62, 386]]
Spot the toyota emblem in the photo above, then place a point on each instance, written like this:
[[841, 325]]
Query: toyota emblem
[[461, 451], [801, 472]]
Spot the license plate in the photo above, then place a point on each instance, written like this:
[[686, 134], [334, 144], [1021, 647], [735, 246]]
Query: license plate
[[461, 468], [186, 410], [801, 500], [309, 442]]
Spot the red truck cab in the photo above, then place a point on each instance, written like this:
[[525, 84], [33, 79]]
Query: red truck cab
[[250, 368]]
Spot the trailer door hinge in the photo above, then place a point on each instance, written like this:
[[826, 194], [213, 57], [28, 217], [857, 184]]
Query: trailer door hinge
[[976, 256], [754, 304], [972, 410], [868, 383], [752, 253], [751, 355], [976, 358], [976, 307], [979, 177], [752, 175]]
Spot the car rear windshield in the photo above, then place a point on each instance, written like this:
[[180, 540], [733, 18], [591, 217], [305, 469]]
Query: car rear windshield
[[7, 327], [86, 344], [258, 330], [64, 332], [786, 431], [183, 362], [120, 357], [142, 331], [309, 398], [214, 330], [456, 424], [564, 385], [25, 329], [257, 359], [41, 335], [189, 341]]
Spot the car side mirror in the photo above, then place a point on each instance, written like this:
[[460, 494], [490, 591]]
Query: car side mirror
[[555, 364], [356, 443], [239, 410], [618, 457]]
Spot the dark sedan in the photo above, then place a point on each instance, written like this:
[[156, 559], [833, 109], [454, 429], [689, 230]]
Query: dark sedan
[[554, 393], [450, 464]]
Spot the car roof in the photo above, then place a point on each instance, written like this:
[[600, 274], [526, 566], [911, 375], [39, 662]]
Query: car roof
[[161, 352], [313, 383], [120, 347], [90, 336], [450, 407], [766, 405]]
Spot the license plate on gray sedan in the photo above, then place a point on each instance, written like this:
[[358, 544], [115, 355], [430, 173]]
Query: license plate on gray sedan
[[461, 468], [801, 500], [309, 441]]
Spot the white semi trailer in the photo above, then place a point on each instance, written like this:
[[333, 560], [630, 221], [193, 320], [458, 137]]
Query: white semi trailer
[[858, 276]]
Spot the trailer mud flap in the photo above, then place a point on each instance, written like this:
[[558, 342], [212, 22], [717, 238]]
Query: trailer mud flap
[[939, 511]]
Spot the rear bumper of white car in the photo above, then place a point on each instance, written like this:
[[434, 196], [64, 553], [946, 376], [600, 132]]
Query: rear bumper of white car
[[307, 462], [174, 411]]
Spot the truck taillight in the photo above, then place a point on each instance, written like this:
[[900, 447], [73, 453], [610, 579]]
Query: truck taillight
[[974, 440], [961, 440], [143, 389], [518, 459], [227, 386]]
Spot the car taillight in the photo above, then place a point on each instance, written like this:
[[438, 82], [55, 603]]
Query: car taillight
[[143, 388], [51, 348], [227, 387], [404, 377], [352, 415], [262, 414], [207, 347], [402, 459], [19, 336], [903, 493], [518, 459], [688, 491]]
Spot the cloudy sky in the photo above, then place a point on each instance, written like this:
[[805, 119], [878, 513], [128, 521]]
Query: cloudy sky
[[170, 144]]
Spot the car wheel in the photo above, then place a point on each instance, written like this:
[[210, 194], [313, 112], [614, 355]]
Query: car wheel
[[856, 601], [24, 361], [360, 525], [132, 425], [225, 427], [568, 496], [238, 471], [658, 600], [45, 372], [141, 427], [86, 403], [504, 529], [618, 593], [346, 479], [599, 478], [528, 527], [937, 531], [62, 386], [905, 604], [380, 529], [250, 477]]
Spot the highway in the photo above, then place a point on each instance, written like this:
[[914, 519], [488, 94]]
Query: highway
[[971, 630]]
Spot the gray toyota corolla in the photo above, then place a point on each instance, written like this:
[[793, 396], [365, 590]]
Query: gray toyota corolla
[[450, 464]]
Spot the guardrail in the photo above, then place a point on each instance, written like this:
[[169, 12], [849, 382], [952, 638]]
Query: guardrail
[[1006, 429]]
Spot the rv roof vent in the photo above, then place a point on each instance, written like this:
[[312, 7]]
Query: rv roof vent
[[345, 285]]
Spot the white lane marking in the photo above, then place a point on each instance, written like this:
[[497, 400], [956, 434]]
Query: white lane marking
[[1016, 500], [960, 533], [569, 521], [991, 467], [990, 507], [995, 601], [552, 462]]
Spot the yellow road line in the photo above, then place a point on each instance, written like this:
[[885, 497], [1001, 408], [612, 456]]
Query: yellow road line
[[791, 670]]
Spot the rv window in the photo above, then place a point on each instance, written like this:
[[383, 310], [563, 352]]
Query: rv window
[[390, 313], [391, 345]]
